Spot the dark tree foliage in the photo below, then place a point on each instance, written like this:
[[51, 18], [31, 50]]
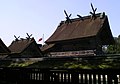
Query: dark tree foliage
[[114, 49]]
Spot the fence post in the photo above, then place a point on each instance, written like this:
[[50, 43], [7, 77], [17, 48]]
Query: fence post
[[46, 76], [112, 76], [74, 77]]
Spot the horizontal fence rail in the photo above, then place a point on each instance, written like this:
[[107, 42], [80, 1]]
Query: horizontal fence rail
[[59, 76]]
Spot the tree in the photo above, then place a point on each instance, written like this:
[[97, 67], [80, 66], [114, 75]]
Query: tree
[[114, 49]]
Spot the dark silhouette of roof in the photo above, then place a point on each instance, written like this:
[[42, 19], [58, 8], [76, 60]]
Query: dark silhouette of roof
[[47, 47], [83, 28], [19, 46], [3, 48]]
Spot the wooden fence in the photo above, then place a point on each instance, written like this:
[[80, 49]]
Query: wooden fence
[[59, 76]]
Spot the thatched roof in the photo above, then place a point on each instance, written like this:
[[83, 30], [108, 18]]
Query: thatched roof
[[79, 29], [19, 46]]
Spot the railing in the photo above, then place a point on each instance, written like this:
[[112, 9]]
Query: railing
[[59, 76]]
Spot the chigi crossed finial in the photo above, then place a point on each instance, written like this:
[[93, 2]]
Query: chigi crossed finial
[[93, 13]]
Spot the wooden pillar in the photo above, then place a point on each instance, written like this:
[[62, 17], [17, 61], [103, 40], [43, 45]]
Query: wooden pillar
[[98, 46], [75, 77]]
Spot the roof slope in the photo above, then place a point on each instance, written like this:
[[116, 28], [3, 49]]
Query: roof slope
[[78, 29], [20, 45], [3, 48]]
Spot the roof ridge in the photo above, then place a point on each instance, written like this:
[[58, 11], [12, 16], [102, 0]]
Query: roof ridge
[[83, 17]]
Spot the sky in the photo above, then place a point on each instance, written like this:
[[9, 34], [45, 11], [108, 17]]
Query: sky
[[41, 17]]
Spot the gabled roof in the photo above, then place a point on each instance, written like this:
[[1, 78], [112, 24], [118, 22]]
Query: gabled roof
[[3, 48], [19, 46], [88, 27]]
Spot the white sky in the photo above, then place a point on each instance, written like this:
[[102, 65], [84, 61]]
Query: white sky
[[38, 17]]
